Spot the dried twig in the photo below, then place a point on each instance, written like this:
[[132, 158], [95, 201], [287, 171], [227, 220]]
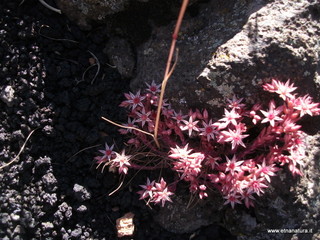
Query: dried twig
[[84, 73], [55, 39], [50, 7], [97, 63], [22, 2], [21, 149], [120, 185], [84, 149], [128, 127]]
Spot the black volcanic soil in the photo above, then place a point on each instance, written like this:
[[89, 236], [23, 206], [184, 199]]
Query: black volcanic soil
[[52, 190]]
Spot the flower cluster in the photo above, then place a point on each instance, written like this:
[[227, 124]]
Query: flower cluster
[[114, 159], [155, 192], [236, 154]]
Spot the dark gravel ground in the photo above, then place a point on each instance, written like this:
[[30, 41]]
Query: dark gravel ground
[[49, 192]]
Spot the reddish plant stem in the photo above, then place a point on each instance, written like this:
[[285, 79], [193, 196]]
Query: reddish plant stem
[[139, 167], [169, 69], [266, 138]]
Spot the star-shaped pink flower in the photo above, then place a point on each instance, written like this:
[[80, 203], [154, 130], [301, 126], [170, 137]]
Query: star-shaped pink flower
[[190, 126]]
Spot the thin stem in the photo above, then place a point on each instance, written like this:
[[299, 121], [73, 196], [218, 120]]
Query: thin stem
[[98, 64], [120, 185], [50, 7], [139, 167], [169, 69], [84, 149], [128, 127], [55, 39], [21, 149]]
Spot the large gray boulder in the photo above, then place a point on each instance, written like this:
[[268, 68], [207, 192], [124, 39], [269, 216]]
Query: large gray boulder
[[281, 41], [231, 48], [216, 23], [289, 209]]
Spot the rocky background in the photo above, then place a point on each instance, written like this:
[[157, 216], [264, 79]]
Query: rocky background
[[60, 73]]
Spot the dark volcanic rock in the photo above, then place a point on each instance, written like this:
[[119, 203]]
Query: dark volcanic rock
[[81, 193]]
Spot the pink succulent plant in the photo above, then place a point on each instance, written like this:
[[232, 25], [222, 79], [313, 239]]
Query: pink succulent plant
[[222, 153]]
